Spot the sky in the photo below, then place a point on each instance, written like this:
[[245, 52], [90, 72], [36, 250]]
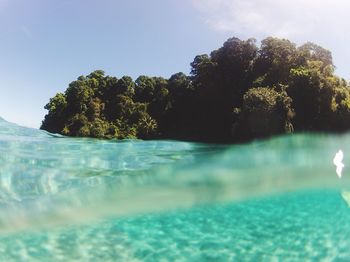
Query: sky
[[46, 44]]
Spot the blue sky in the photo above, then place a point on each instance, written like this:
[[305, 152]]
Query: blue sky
[[45, 44]]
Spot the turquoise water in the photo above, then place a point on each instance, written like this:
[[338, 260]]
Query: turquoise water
[[65, 199]]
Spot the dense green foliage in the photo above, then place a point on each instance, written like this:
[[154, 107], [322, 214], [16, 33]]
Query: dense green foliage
[[240, 91]]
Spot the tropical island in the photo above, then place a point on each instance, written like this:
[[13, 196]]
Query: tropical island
[[238, 92]]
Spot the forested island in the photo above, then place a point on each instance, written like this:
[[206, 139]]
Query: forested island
[[238, 92]]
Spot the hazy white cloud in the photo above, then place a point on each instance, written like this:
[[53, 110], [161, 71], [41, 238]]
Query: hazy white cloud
[[281, 18], [321, 21]]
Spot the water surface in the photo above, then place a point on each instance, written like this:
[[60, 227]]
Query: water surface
[[68, 199]]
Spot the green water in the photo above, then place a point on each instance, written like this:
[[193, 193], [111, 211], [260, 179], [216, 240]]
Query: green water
[[64, 199]]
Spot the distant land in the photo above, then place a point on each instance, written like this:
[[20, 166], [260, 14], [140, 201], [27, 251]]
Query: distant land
[[237, 93]]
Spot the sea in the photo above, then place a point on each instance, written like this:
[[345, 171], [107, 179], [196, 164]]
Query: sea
[[81, 199]]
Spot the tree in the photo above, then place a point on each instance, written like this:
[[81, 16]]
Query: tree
[[235, 60], [312, 91], [144, 89], [312, 52], [340, 120], [275, 59], [78, 95], [160, 103], [265, 112], [55, 119]]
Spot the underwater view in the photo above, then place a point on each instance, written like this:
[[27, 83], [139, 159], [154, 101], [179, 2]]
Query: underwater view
[[81, 199]]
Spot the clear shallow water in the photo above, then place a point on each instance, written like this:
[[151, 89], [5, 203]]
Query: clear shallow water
[[64, 199]]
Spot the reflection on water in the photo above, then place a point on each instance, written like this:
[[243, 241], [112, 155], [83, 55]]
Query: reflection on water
[[84, 199]]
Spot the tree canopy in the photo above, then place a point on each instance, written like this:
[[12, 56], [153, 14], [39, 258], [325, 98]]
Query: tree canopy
[[237, 92]]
